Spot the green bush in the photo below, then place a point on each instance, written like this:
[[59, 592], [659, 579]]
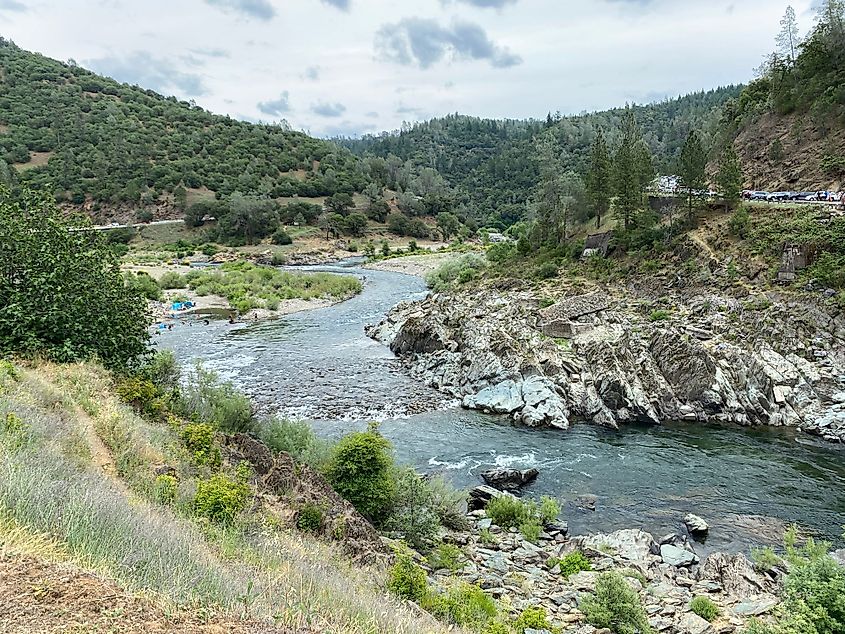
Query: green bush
[[739, 222], [704, 607], [462, 604], [361, 471], [164, 489], [161, 369], [446, 556], [451, 272], [143, 285], [413, 516], [143, 395], [281, 237], [546, 271], [221, 498], [406, 579], [571, 564], [309, 517], [14, 432], [171, 280], [659, 315], [292, 437], [534, 618], [205, 398], [530, 529], [198, 439], [765, 558], [549, 509], [507, 511], [616, 606]]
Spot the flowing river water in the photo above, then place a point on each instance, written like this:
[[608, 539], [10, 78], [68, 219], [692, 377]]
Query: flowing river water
[[748, 484]]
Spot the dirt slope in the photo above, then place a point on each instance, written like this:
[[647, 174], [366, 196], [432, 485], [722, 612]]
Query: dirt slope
[[797, 166]]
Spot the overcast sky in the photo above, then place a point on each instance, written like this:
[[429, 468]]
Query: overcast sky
[[359, 66]]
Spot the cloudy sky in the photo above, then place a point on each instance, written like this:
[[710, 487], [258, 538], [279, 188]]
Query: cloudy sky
[[358, 66]]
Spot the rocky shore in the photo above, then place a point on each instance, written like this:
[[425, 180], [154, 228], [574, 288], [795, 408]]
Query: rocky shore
[[666, 573], [628, 355]]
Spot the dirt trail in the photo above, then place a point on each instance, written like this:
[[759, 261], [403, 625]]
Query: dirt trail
[[40, 597]]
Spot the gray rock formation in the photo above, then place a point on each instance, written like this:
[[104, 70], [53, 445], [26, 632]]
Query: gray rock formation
[[509, 479], [778, 366]]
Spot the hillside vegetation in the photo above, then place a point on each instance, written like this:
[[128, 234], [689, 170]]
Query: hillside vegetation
[[790, 122], [91, 139], [494, 166]]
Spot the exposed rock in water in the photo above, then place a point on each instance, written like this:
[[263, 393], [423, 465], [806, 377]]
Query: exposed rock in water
[[481, 495], [696, 526], [509, 479], [776, 366]]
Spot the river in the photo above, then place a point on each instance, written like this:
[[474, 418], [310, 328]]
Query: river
[[748, 484]]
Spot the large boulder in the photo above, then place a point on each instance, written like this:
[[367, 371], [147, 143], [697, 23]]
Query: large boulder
[[480, 496], [630, 543], [509, 479], [696, 526], [677, 556], [735, 574]]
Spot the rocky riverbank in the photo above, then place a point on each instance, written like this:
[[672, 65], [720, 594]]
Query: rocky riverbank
[[666, 573], [629, 355]]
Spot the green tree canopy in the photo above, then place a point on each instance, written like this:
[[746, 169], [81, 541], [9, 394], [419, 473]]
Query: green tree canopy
[[61, 289], [693, 167]]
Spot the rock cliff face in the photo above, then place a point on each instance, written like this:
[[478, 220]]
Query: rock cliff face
[[616, 360]]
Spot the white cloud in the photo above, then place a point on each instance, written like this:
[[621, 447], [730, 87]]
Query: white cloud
[[238, 54]]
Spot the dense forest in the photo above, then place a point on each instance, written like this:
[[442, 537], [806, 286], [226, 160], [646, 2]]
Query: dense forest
[[494, 166], [92, 138]]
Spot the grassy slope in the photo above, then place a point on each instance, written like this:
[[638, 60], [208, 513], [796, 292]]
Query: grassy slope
[[76, 486]]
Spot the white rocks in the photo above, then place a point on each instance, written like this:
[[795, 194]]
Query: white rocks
[[679, 557], [693, 624], [631, 544], [696, 526]]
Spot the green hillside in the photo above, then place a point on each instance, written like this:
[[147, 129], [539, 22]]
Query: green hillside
[[92, 138], [494, 166]]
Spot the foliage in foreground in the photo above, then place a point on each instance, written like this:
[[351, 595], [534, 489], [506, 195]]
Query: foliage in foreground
[[813, 592], [616, 606], [510, 512], [61, 289]]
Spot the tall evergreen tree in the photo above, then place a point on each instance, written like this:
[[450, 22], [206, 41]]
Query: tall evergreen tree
[[693, 167], [551, 212], [633, 170], [729, 177], [599, 178], [787, 39]]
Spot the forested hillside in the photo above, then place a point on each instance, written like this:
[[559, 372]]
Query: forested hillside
[[789, 123], [494, 165], [95, 140]]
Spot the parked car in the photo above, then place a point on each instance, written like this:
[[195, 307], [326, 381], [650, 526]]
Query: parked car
[[759, 195], [777, 196]]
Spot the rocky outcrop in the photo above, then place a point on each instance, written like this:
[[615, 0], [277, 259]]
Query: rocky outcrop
[[509, 479], [750, 362]]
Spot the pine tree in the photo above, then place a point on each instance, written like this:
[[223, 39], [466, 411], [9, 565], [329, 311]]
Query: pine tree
[[551, 212], [787, 39], [599, 178], [729, 177], [693, 167], [633, 170]]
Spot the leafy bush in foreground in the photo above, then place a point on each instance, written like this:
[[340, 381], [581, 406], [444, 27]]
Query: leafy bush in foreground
[[360, 471], [616, 606], [61, 288], [406, 579], [205, 398], [221, 498]]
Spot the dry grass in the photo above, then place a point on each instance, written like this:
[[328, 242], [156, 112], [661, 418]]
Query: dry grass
[[56, 504], [36, 159]]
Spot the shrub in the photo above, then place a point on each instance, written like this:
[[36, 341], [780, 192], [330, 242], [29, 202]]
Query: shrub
[[309, 517], [143, 395], [534, 618], [446, 556], [14, 433], [406, 579], [485, 536], [739, 222], [549, 509], [461, 270], [161, 369], [571, 564], [171, 280], [164, 489], [507, 511], [143, 285], [360, 471], [616, 606], [221, 498], [413, 516], [293, 437], [765, 558], [219, 404], [462, 604], [198, 439], [530, 529], [659, 315], [281, 237], [704, 607], [546, 271]]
